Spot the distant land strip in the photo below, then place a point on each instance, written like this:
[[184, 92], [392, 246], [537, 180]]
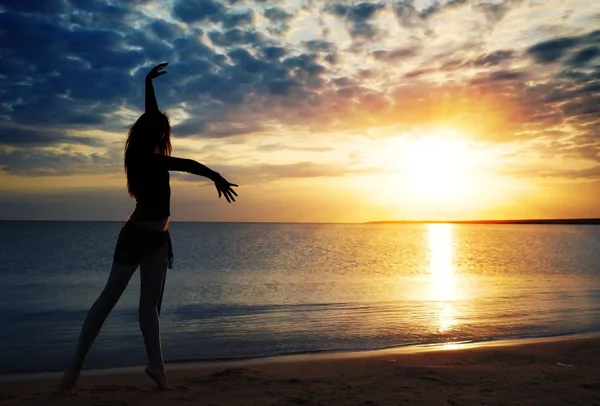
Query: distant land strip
[[591, 221]]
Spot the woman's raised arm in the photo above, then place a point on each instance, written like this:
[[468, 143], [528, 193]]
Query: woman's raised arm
[[151, 103]]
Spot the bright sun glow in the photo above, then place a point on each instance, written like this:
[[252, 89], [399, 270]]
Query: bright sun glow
[[437, 167]]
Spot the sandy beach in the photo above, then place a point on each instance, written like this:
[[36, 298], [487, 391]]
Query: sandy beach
[[557, 371]]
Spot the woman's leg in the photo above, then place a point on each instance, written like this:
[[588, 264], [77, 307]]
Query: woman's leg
[[117, 282], [152, 272]]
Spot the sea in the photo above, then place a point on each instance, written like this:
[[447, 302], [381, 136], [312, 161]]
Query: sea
[[250, 290]]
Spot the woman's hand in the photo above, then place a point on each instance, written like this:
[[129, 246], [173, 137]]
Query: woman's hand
[[156, 71], [224, 187]]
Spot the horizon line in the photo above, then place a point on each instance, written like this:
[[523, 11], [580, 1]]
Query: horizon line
[[577, 220]]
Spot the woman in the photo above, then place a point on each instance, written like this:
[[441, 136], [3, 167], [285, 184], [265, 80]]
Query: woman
[[144, 240]]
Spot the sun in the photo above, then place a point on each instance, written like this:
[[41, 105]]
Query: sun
[[437, 167]]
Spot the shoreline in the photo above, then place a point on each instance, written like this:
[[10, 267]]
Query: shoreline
[[300, 357], [555, 370]]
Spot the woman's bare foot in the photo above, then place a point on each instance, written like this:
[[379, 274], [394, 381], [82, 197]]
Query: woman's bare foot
[[68, 383], [159, 377]]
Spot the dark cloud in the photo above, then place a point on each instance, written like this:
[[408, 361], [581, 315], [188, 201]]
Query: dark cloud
[[418, 72], [36, 162], [358, 17], [235, 36], [583, 56], [235, 19], [225, 128], [164, 29], [499, 76], [211, 10], [277, 14], [437, 8], [279, 20], [191, 47], [193, 127], [19, 136], [555, 49], [35, 6], [231, 128], [198, 10], [320, 46], [282, 147], [247, 61], [494, 12], [396, 54], [407, 14], [494, 58], [274, 52]]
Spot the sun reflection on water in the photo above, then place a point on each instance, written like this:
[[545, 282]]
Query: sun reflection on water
[[441, 270]]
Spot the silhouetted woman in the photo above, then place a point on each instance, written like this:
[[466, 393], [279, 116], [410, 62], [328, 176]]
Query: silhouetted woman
[[144, 239]]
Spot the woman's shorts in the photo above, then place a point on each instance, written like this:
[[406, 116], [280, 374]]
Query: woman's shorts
[[136, 242]]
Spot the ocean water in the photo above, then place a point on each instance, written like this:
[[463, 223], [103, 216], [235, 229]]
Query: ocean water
[[242, 290]]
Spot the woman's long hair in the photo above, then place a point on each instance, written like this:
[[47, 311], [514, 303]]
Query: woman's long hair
[[151, 134]]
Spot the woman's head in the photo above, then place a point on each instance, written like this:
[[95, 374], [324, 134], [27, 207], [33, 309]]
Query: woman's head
[[150, 134]]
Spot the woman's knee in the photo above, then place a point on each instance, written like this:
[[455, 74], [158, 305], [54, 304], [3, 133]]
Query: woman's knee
[[150, 297]]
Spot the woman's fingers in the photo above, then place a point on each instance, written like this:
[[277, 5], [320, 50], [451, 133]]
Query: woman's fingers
[[225, 189], [228, 196], [231, 192], [155, 71], [160, 66]]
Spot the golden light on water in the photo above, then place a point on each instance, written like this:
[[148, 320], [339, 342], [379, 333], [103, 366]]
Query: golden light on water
[[441, 273]]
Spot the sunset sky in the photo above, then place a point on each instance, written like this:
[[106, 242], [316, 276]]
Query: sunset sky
[[322, 111]]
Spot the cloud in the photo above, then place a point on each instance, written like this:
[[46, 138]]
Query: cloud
[[495, 12], [64, 71], [555, 49], [36, 6], [584, 56], [197, 11], [408, 16], [19, 136], [211, 10], [358, 17], [225, 129], [495, 58], [36, 162], [437, 8], [234, 37], [396, 54], [588, 174], [257, 173]]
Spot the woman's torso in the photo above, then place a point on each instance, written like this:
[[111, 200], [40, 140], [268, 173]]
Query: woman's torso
[[153, 195]]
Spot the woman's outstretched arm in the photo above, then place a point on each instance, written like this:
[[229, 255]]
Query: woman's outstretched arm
[[190, 166], [151, 103]]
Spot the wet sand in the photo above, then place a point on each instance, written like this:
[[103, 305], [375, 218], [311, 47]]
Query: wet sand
[[558, 371]]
